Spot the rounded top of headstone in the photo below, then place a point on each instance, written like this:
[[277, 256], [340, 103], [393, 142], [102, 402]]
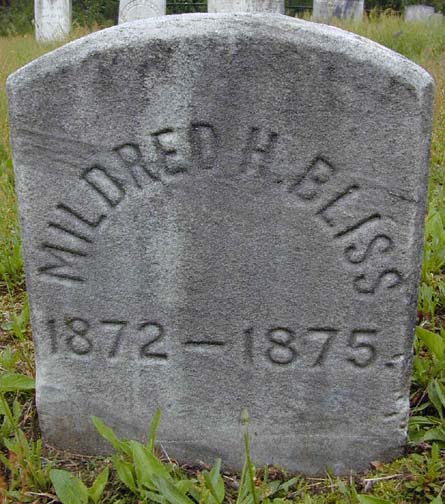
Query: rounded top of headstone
[[423, 7], [269, 28]]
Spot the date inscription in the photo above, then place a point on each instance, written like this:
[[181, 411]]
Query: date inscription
[[150, 341]]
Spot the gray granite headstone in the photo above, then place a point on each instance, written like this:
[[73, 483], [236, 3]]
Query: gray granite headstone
[[133, 10], [219, 6], [223, 213], [415, 13], [52, 19], [325, 10]]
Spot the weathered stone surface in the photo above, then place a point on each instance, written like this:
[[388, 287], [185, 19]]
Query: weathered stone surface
[[415, 13], [325, 10], [132, 10], [224, 212], [273, 6], [52, 19]]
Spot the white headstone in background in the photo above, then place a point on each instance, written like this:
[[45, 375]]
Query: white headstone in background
[[52, 19], [132, 10], [217, 6], [418, 13], [325, 10], [437, 17]]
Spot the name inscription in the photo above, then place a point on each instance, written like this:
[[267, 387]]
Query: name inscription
[[179, 154], [149, 341]]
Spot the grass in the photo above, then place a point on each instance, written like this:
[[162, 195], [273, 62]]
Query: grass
[[32, 473]]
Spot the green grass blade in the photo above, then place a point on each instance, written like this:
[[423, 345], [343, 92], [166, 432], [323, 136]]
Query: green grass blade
[[108, 434], [250, 468], [69, 489], [125, 473], [369, 499], [147, 466], [153, 429], [12, 382], [98, 487], [434, 342], [168, 490]]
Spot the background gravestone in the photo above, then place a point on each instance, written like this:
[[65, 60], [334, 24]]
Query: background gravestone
[[325, 10], [216, 6], [52, 19], [437, 17], [219, 213], [418, 13], [132, 10]]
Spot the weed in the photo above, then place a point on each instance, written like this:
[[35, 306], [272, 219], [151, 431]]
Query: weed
[[25, 467], [148, 478], [71, 490]]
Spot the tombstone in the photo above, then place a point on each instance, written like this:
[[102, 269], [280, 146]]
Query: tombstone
[[219, 214], [132, 10], [220, 6], [52, 19], [436, 18], [325, 10], [415, 13]]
